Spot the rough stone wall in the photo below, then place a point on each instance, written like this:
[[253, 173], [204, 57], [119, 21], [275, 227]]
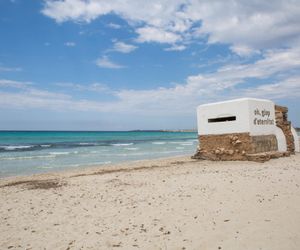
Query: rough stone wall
[[264, 143], [237, 146], [283, 123]]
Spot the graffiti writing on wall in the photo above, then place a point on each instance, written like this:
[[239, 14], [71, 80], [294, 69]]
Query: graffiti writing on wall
[[262, 117]]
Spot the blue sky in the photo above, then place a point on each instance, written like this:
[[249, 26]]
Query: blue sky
[[132, 64]]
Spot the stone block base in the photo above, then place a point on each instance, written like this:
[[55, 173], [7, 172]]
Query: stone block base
[[237, 146], [262, 157]]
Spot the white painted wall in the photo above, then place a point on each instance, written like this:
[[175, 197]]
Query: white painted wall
[[296, 140], [243, 109], [281, 140], [266, 109]]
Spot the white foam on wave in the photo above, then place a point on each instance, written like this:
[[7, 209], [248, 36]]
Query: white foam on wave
[[132, 149], [97, 163], [27, 157], [175, 142], [186, 144], [87, 144], [17, 147], [59, 153], [45, 146], [125, 154], [158, 142], [122, 144], [167, 152], [98, 151]]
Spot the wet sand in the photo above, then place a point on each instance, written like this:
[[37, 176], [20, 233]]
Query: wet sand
[[174, 203]]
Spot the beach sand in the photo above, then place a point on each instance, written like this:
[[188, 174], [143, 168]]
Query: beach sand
[[175, 203]]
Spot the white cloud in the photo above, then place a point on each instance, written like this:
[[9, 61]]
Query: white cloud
[[252, 24], [278, 69], [14, 84], [94, 87], [124, 47], [289, 87], [246, 25], [114, 26], [10, 69], [243, 50], [176, 48], [153, 34], [105, 62], [70, 44], [225, 83], [40, 93]]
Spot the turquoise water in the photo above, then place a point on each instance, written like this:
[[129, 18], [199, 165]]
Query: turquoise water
[[23, 153]]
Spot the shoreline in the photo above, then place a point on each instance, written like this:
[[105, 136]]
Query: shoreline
[[87, 168], [173, 203], [40, 152]]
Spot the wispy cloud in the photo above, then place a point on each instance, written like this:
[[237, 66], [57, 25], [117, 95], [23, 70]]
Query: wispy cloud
[[243, 50], [94, 87], [154, 34], [10, 69], [176, 48], [123, 47], [105, 62], [70, 44], [114, 26], [278, 68], [287, 88], [14, 84], [178, 21]]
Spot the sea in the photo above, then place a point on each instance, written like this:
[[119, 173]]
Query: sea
[[32, 152]]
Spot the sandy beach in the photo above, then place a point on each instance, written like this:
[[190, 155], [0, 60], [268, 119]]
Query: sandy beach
[[174, 203]]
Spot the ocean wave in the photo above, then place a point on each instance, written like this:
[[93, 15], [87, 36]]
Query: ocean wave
[[59, 153], [186, 144], [16, 147], [158, 142], [132, 148], [51, 146], [98, 151], [125, 154], [175, 142], [88, 144], [168, 152], [122, 144], [98, 162], [89, 164], [27, 157], [179, 147]]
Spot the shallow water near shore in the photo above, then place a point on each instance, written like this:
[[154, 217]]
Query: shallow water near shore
[[31, 152]]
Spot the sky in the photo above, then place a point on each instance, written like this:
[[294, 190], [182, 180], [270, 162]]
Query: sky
[[137, 64]]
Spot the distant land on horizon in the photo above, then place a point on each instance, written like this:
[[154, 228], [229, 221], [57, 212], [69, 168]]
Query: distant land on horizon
[[135, 130]]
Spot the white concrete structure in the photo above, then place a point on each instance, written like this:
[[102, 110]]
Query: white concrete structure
[[296, 140], [246, 115], [281, 140]]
